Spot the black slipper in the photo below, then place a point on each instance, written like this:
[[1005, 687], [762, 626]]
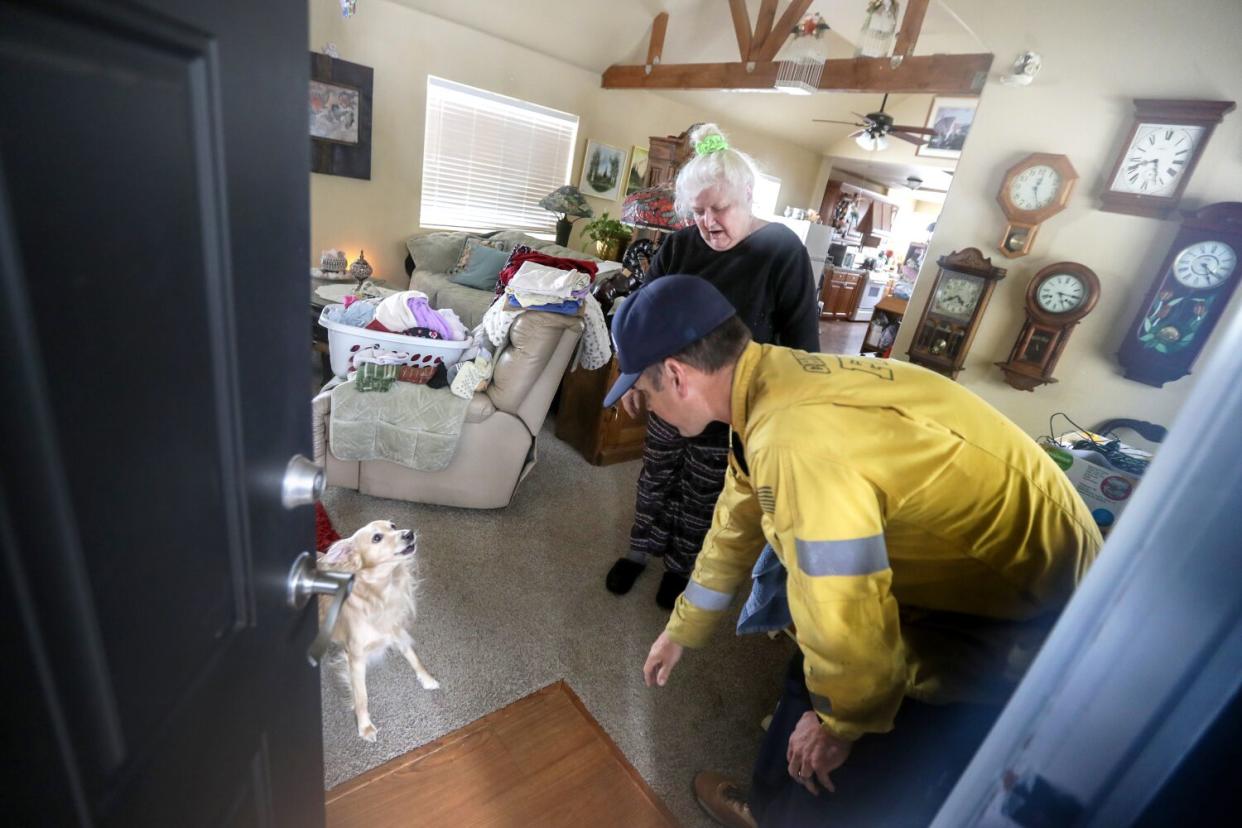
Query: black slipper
[[671, 585], [623, 575]]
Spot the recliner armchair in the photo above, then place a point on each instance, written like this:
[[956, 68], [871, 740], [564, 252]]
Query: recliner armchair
[[497, 448]]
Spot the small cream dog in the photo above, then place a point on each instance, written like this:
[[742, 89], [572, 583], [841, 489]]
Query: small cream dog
[[378, 613]]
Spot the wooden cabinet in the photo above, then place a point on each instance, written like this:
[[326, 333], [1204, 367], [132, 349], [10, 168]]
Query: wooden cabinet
[[840, 294], [601, 435], [665, 155], [877, 225]]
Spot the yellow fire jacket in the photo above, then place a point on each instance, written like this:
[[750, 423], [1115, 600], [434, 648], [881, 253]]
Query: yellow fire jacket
[[881, 484]]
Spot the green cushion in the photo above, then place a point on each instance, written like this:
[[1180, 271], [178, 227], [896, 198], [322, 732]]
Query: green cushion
[[483, 269], [436, 251]]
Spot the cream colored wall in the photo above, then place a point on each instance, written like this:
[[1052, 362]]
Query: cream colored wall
[[404, 46], [1098, 56]]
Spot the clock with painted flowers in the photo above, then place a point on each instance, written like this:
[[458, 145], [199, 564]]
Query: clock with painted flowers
[[1158, 157]]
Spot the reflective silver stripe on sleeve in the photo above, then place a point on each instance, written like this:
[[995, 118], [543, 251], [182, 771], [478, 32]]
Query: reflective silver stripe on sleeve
[[821, 704], [857, 556], [708, 599]]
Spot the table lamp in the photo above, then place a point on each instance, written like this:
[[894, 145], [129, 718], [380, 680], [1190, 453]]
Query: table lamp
[[653, 208], [567, 202]]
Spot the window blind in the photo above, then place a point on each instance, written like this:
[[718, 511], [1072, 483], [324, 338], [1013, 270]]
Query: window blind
[[488, 159]]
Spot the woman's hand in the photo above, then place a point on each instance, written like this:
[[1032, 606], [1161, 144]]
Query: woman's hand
[[813, 753], [664, 655], [632, 402]]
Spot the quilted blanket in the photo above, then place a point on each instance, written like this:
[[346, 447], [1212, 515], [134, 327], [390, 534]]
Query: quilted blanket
[[409, 424]]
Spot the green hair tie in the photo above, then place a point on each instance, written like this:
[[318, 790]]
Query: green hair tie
[[710, 144]]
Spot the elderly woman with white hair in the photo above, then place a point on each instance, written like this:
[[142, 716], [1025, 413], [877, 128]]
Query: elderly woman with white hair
[[763, 269]]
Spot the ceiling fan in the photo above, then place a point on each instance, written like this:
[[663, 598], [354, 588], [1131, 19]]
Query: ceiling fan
[[876, 126]]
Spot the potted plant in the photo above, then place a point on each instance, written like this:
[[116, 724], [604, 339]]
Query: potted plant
[[610, 236]]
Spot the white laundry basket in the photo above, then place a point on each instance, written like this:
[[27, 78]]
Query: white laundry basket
[[343, 338]]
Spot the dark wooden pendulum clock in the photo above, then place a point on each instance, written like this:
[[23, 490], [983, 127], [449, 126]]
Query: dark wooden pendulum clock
[[1057, 299], [1192, 287], [952, 314]]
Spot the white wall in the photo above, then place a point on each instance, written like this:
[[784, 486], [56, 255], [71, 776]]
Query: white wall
[[404, 45], [1098, 56]]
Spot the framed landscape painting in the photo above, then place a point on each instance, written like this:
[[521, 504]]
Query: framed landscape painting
[[603, 167], [951, 119], [636, 178]]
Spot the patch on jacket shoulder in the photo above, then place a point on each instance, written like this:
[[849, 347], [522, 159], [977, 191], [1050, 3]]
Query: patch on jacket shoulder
[[767, 499], [874, 367], [811, 363]]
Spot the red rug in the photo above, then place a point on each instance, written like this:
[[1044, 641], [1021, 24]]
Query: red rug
[[325, 535]]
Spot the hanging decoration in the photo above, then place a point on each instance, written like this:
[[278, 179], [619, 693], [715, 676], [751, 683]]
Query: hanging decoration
[[879, 29], [349, 8], [805, 53]]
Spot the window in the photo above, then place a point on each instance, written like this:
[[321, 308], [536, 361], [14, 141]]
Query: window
[[488, 159], [767, 188]]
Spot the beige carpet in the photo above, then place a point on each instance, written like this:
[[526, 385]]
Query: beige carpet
[[513, 600]]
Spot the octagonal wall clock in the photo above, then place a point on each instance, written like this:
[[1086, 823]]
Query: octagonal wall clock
[[1191, 289], [1033, 191]]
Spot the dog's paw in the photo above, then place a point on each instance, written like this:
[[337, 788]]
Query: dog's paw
[[428, 683], [367, 731]]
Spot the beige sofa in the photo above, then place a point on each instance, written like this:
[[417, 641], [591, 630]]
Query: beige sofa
[[432, 255], [498, 439]]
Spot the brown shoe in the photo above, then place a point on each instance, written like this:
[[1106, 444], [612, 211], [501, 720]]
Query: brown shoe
[[723, 800]]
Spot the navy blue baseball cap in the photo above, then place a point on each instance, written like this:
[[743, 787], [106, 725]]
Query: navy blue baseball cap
[[663, 318]]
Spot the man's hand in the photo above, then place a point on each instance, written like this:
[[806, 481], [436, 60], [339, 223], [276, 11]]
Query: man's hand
[[632, 402], [664, 655], [814, 753]]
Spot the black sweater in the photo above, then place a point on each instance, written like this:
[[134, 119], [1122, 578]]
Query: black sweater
[[766, 276]]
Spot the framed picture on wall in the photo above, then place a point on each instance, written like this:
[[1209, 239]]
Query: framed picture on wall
[[603, 168], [339, 115], [636, 177], [951, 119]]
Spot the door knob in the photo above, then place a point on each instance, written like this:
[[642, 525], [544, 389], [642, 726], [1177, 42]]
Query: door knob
[[303, 483], [305, 580]]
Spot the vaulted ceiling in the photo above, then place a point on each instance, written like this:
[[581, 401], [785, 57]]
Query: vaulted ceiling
[[595, 34]]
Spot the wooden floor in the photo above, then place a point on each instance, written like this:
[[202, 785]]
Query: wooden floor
[[837, 337], [543, 760]]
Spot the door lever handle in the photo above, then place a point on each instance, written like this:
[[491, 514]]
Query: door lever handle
[[305, 580]]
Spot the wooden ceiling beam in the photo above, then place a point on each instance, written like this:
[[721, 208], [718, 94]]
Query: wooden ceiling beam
[[932, 74], [784, 28], [655, 48], [741, 27], [763, 27], [911, 25]]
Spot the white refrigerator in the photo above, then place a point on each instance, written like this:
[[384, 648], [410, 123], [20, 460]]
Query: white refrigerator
[[816, 237]]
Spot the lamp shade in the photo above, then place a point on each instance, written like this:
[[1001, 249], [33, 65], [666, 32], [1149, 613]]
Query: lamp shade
[[652, 207], [567, 201]]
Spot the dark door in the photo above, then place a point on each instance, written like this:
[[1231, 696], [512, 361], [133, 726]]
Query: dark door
[[153, 255]]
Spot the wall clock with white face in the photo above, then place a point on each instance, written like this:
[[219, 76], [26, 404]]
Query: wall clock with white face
[[1160, 152], [1033, 191], [1057, 299], [1205, 264], [951, 316], [1192, 287]]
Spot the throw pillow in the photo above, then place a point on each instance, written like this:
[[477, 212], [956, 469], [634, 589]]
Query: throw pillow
[[483, 268], [463, 261], [436, 252]]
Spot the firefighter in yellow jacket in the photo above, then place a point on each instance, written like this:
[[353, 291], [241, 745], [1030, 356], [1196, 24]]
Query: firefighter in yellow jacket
[[921, 543]]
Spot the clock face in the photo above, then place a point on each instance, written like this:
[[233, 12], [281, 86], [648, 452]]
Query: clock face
[[1157, 158], [957, 295], [1204, 264], [1035, 187], [1061, 293]]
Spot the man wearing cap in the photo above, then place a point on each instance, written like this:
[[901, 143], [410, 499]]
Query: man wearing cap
[[921, 543]]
